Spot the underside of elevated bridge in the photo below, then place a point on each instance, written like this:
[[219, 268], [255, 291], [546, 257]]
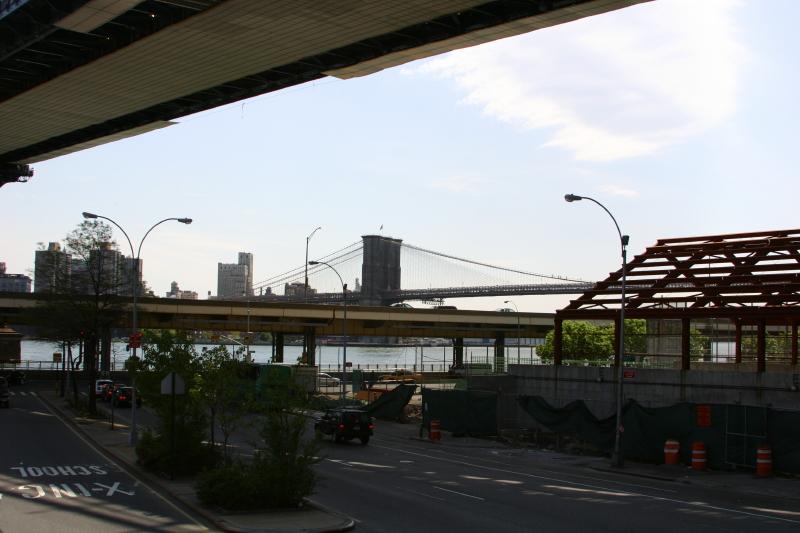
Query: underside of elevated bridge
[[80, 73]]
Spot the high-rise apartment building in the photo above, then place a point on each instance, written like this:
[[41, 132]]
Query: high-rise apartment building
[[13, 282], [52, 269], [235, 280]]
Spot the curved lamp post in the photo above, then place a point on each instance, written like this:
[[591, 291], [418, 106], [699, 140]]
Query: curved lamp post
[[519, 327], [344, 325], [135, 288], [305, 287], [616, 456]]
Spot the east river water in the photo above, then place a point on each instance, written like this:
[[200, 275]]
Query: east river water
[[434, 358]]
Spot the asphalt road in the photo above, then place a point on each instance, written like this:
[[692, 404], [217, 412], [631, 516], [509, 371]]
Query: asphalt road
[[53, 480], [396, 483]]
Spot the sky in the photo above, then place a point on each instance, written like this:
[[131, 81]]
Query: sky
[[679, 116]]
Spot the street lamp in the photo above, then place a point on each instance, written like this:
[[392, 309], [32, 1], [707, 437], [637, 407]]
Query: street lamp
[[616, 456], [519, 328], [344, 325], [133, 434], [305, 287]]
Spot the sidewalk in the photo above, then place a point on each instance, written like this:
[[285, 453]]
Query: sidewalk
[[311, 518]]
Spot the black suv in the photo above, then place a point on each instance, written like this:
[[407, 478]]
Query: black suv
[[345, 423]]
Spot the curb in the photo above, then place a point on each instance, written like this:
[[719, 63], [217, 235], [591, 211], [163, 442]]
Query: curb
[[154, 483], [131, 469]]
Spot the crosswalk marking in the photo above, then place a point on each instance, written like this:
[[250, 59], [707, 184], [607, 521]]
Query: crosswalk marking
[[21, 393]]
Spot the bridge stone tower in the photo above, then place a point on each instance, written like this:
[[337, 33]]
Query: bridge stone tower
[[380, 270]]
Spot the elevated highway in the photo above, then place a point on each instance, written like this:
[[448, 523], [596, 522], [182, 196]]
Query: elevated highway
[[304, 319], [79, 73]]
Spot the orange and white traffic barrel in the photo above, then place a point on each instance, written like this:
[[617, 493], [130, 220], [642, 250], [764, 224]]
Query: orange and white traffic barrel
[[671, 451], [435, 431], [698, 456], [763, 461]]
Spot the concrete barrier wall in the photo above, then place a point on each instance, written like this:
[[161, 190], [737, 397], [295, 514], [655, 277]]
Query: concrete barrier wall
[[597, 386]]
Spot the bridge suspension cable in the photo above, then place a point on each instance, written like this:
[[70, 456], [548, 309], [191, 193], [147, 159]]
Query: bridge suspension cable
[[348, 253], [495, 267]]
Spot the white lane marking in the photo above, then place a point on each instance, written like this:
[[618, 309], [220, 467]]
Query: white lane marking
[[459, 493], [546, 478], [581, 476], [114, 462], [32, 393], [423, 494], [22, 393]]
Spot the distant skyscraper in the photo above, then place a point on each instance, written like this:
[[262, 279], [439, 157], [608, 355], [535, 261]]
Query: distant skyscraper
[[52, 269], [176, 292], [246, 259]]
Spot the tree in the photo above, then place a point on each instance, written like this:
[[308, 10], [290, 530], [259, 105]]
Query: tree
[[165, 352], [84, 303], [226, 390], [280, 474], [590, 342]]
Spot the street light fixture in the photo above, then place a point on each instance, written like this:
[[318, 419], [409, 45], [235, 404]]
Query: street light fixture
[[519, 328], [133, 437], [344, 326], [305, 287], [616, 456]]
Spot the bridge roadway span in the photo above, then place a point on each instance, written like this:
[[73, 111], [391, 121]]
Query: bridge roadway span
[[321, 320]]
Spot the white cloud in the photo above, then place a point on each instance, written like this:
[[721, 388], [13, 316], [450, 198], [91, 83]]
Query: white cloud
[[623, 84], [616, 190]]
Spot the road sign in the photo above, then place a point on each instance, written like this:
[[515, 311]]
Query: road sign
[[173, 384], [135, 340]]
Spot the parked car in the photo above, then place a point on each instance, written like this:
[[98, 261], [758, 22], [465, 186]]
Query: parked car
[[4, 392], [505, 310], [326, 380], [402, 305], [13, 377], [100, 384], [401, 375], [344, 424], [123, 397], [109, 389]]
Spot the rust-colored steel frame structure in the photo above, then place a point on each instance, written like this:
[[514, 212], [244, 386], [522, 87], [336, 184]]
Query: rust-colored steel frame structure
[[747, 278]]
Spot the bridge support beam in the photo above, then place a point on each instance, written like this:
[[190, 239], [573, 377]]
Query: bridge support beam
[[310, 343], [500, 353], [105, 349], [686, 343], [558, 342], [458, 352], [277, 347]]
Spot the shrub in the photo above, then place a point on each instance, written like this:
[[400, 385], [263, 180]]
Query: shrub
[[229, 487]]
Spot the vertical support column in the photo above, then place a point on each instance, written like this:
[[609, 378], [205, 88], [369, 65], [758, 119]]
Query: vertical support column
[[277, 340], [616, 341], [310, 342], [686, 343], [738, 341], [558, 342], [500, 353], [105, 349], [794, 343], [761, 351], [458, 352]]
